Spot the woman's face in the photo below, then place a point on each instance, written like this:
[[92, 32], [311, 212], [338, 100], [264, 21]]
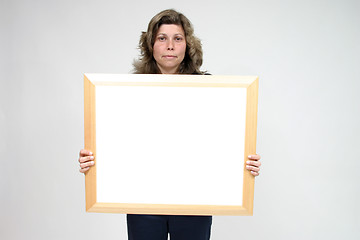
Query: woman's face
[[169, 48]]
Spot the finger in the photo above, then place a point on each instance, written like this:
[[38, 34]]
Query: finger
[[252, 168], [255, 173], [86, 159], [254, 163], [87, 164], [84, 152], [83, 170], [254, 157]]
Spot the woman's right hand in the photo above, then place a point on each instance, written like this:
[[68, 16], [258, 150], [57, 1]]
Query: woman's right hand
[[86, 160]]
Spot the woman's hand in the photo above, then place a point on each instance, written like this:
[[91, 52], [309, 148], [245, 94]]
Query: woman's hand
[[253, 164], [86, 160]]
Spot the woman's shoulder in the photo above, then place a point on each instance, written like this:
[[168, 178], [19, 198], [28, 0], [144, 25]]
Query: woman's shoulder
[[201, 73]]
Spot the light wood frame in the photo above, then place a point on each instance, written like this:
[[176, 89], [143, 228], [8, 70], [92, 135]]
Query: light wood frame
[[250, 83]]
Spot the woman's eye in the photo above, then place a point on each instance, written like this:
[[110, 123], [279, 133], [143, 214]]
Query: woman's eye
[[161, 38], [178, 38]]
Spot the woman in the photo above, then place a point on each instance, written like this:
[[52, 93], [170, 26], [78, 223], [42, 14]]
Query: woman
[[168, 47]]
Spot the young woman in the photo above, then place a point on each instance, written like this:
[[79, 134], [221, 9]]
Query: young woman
[[168, 47]]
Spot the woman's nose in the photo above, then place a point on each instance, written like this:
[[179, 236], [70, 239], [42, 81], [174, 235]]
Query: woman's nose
[[170, 45]]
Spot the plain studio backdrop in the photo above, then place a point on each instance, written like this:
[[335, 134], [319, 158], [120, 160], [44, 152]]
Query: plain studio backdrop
[[306, 53]]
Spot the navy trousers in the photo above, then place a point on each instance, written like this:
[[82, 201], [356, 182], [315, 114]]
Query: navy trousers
[[157, 227]]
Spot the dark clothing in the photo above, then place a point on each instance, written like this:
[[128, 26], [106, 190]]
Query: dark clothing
[[157, 227]]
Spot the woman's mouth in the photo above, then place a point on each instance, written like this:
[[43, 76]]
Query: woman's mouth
[[169, 56]]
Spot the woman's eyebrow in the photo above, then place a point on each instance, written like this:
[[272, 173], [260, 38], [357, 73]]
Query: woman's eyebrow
[[166, 34]]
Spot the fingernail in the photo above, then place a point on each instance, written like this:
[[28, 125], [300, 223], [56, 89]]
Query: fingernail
[[92, 162], [249, 156], [247, 162], [91, 157], [90, 153]]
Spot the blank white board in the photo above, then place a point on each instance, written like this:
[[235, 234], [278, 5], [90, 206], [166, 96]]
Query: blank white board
[[167, 140]]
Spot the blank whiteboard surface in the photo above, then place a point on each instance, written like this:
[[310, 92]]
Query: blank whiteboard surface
[[175, 145]]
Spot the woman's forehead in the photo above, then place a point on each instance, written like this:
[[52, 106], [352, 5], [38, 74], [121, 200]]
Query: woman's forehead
[[170, 29]]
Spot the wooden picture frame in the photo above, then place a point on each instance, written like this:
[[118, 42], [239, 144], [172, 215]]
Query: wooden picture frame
[[142, 130]]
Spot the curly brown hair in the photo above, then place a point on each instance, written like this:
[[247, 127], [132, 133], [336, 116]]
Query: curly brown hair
[[192, 62]]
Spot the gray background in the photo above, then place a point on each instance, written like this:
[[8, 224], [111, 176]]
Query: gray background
[[306, 53]]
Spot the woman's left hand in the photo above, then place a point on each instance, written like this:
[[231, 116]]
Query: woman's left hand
[[253, 164]]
